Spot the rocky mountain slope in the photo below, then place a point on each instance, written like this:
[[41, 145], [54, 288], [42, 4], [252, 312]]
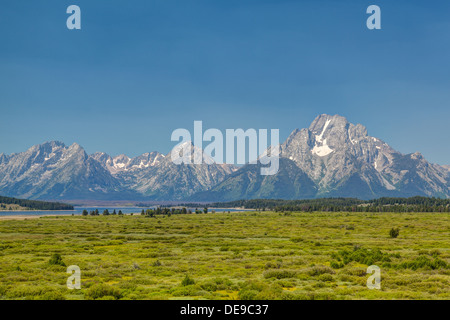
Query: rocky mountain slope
[[55, 171], [331, 158], [341, 160], [168, 181]]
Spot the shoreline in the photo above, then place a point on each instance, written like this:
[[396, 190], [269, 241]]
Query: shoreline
[[34, 210], [24, 217], [35, 216]]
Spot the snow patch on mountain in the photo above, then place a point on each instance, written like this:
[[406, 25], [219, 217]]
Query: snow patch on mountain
[[323, 149]]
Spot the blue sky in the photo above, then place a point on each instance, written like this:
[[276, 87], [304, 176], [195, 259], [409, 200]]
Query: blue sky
[[137, 70]]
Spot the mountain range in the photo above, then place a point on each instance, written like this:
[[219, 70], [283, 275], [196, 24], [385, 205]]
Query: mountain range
[[331, 158]]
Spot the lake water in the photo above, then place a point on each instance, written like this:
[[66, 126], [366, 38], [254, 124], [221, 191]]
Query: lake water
[[79, 210]]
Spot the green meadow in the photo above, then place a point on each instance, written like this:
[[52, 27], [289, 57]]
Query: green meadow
[[248, 255]]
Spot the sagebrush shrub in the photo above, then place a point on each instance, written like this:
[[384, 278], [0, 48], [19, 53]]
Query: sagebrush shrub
[[56, 259], [394, 232], [99, 291], [187, 281], [280, 274]]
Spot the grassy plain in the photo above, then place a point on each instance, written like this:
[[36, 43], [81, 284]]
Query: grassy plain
[[249, 255]]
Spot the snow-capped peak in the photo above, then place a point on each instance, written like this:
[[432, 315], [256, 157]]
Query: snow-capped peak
[[321, 147]]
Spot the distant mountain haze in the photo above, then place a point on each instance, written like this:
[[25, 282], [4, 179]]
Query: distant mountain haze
[[331, 158]]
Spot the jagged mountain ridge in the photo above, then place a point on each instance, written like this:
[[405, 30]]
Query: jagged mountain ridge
[[337, 150], [122, 162], [54, 171], [342, 160], [168, 181], [330, 158]]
